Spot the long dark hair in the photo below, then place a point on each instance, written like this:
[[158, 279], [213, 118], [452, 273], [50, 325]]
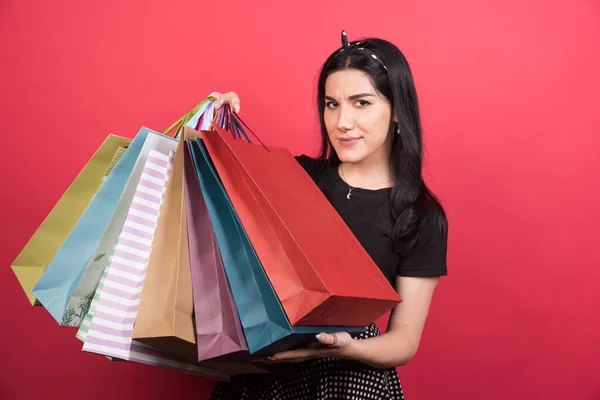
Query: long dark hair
[[411, 200]]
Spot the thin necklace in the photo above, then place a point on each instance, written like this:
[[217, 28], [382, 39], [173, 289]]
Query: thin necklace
[[350, 188]]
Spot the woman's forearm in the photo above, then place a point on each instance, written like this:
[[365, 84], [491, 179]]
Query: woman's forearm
[[389, 350]]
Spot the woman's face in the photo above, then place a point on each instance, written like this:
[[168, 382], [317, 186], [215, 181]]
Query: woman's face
[[357, 118]]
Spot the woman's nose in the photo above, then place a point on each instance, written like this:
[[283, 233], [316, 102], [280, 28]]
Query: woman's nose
[[345, 119]]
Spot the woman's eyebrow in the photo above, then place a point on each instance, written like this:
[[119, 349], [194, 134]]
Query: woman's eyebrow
[[353, 97]]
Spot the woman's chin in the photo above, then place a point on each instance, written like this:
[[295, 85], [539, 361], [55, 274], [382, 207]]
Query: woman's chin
[[349, 156]]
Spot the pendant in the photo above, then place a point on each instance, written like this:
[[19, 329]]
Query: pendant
[[349, 193]]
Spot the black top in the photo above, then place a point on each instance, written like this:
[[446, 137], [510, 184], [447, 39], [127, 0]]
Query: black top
[[367, 214]]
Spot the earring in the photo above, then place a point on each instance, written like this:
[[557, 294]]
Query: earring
[[397, 129]]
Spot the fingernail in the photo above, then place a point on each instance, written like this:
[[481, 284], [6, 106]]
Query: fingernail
[[318, 337], [237, 108]]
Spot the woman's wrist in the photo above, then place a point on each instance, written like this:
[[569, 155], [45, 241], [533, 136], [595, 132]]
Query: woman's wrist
[[385, 351], [357, 350]]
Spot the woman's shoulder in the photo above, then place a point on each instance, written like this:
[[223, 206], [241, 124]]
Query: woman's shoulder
[[312, 166]]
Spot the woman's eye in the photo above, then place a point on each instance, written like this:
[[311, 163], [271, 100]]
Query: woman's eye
[[362, 103], [331, 104]]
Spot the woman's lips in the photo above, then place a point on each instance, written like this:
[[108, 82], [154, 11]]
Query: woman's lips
[[348, 142]]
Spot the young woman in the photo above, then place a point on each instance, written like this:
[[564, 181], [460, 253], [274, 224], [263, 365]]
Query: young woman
[[370, 170]]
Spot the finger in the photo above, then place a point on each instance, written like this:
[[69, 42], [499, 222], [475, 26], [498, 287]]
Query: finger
[[295, 360], [233, 99], [271, 360], [328, 339], [220, 99], [314, 346], [216, 95], [295, 354], [266, 360]]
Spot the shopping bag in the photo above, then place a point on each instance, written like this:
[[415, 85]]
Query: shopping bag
[[140, 353], [266, 327], [316, 265], [108, 326], [56, 285], [165, 315], [81, 297], [111, 326], [218, 329], [87, 320], [31, 263], [143, 354]]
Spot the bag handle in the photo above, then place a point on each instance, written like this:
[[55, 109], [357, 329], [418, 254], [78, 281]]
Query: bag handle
[[224, 118], [181, 122], [219, 117], [238, 122], [225, 121], [230, 121]]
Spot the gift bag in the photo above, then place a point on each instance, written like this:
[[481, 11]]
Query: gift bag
[[111, 326], [82, 295], [87, 320], [218, 329], [31, 263], [316, 265], [58, 282], [266, 327], [145, 355], [165, 315]]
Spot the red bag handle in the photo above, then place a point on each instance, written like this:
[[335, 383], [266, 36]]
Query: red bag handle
[[238, 121], [230, 121]]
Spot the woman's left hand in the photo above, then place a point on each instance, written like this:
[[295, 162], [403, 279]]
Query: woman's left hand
[[329, 345]]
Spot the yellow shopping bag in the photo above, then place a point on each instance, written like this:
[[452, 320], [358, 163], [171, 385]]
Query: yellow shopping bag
[[43, 245]]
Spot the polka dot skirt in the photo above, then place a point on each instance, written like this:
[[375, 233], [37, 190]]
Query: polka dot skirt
[[325, 378]]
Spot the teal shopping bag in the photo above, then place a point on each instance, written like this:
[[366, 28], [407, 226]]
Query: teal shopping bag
[[64, 272], [265, 324]]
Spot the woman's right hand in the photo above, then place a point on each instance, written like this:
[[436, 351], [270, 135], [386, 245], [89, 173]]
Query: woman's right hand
[[230, 97]]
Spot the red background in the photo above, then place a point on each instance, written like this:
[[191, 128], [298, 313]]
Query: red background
[[510, 94]]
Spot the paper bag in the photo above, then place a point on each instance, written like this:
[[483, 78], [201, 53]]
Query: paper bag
[[218, 329], [58, 282], [316, 265], [31, 263], [82, 295], [165, 315], [266, 327]]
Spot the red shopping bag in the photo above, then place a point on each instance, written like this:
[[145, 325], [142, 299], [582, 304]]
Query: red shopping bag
[[319, 270]]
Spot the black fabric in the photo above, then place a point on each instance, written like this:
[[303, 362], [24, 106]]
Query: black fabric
[[367, 214], [318, 379]]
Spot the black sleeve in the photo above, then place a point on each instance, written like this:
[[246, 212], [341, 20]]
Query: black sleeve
[[428, 256], [310, 165]]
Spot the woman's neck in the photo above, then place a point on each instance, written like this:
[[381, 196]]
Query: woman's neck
[[373, 175]]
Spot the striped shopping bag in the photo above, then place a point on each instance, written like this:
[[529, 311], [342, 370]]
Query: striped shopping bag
[[111, 326], [108, 327]]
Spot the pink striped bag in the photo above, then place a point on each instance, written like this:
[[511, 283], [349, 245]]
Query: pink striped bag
[[111, 328]]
